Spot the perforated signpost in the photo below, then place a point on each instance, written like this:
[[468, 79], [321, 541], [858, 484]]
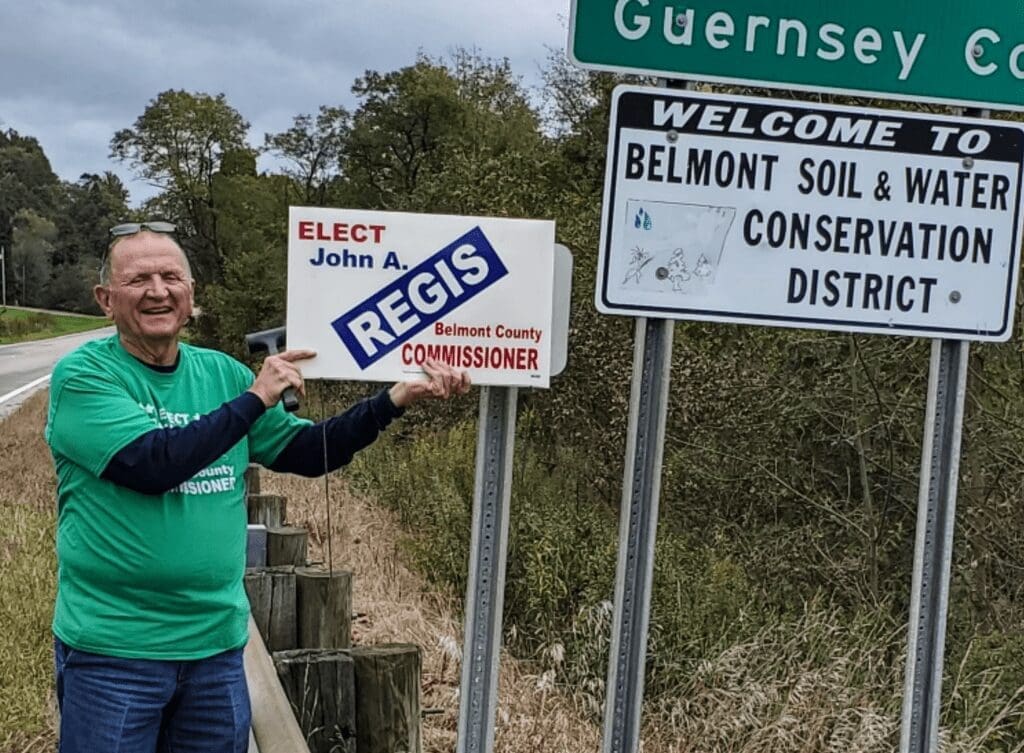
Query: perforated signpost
[[789, 214], [375, 294]]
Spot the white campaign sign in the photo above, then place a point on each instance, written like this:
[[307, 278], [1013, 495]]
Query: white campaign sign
[[763, 211], [377, 293]]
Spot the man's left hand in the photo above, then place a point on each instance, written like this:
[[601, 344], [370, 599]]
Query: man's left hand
[[442, 382]]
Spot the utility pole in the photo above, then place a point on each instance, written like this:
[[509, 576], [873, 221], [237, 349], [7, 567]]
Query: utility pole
[[3, 275]]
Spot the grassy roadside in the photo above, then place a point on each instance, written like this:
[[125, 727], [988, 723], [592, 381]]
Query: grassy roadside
[[20, 325], [27, 584], [816, 683], [723, 675]]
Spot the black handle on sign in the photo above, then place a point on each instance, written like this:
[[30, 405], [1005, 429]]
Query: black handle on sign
[[272, 340]]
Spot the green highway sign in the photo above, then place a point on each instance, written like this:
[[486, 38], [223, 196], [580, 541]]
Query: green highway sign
[[948, 51]]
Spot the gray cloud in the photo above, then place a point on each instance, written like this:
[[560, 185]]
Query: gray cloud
[[73, 73]]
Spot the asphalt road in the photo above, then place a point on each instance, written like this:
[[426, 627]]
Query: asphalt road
[[28, 363]]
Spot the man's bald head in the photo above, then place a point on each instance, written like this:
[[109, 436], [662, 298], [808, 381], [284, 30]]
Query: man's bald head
[[109, 259]]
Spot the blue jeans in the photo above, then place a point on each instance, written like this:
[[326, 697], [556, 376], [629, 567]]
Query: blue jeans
[[112, 705]]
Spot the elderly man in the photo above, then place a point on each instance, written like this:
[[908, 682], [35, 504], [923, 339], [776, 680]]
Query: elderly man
[[151, 613]]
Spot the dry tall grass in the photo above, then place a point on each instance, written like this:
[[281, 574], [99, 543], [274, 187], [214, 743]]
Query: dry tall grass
[[26, 472], [27, 580], [394, 603]]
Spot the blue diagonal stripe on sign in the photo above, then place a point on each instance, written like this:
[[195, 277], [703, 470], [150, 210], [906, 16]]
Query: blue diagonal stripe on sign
[[429, 291]]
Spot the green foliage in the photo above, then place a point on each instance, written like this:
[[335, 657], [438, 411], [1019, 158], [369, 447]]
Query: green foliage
[[561, 540], [178, 144], [71, 287], [769, 432], [822, 681], [90, 208], [17, 325], [561, 543], [251, 218], [52, 232], [985, 689], [179, 139], [314, 148], [432, 494], [440, 138], [26, 180], [27, 184], [32, 251]]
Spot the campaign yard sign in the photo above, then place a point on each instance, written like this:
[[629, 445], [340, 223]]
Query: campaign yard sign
[[766, 211], [375, 294]]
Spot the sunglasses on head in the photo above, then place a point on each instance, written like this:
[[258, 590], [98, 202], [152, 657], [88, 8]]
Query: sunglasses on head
[[131, 228]]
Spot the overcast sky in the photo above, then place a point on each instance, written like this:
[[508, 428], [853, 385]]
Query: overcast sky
[[72, 72]]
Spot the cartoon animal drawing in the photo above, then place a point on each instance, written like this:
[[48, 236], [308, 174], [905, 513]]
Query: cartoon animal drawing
[[703, 268], [678, 272], [639, 258]]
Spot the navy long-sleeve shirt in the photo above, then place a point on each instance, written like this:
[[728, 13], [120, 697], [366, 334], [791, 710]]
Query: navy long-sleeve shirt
[[163, 458]]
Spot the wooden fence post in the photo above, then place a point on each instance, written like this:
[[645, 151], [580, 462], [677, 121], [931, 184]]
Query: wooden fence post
[[323, 602], [273, 723], [271, 594], [286, 546], [388, 698], [269, 509], [252, 479], [320, 685]]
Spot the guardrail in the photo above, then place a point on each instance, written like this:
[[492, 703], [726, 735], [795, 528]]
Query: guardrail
[[274, 729]]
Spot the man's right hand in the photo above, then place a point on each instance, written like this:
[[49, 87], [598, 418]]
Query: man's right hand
[[277, 374]]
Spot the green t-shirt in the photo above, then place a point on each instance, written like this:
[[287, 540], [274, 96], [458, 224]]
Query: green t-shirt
[[150, 576]]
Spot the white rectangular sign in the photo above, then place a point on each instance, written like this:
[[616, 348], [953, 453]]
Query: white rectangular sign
[[764, 211], [377, 293]]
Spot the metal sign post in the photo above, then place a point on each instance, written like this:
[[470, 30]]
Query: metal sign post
[[933, 547], [648, 407], [486, 588], [933, 551], [379, 294], [492, 491]]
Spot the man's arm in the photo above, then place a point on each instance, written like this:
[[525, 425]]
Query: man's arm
[[335, 441], [356, 428], [163, 458]]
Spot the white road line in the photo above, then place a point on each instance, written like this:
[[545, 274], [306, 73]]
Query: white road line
[[25, 388]]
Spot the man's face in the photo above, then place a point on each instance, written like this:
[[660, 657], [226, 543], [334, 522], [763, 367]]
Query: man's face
[[149, 295]]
